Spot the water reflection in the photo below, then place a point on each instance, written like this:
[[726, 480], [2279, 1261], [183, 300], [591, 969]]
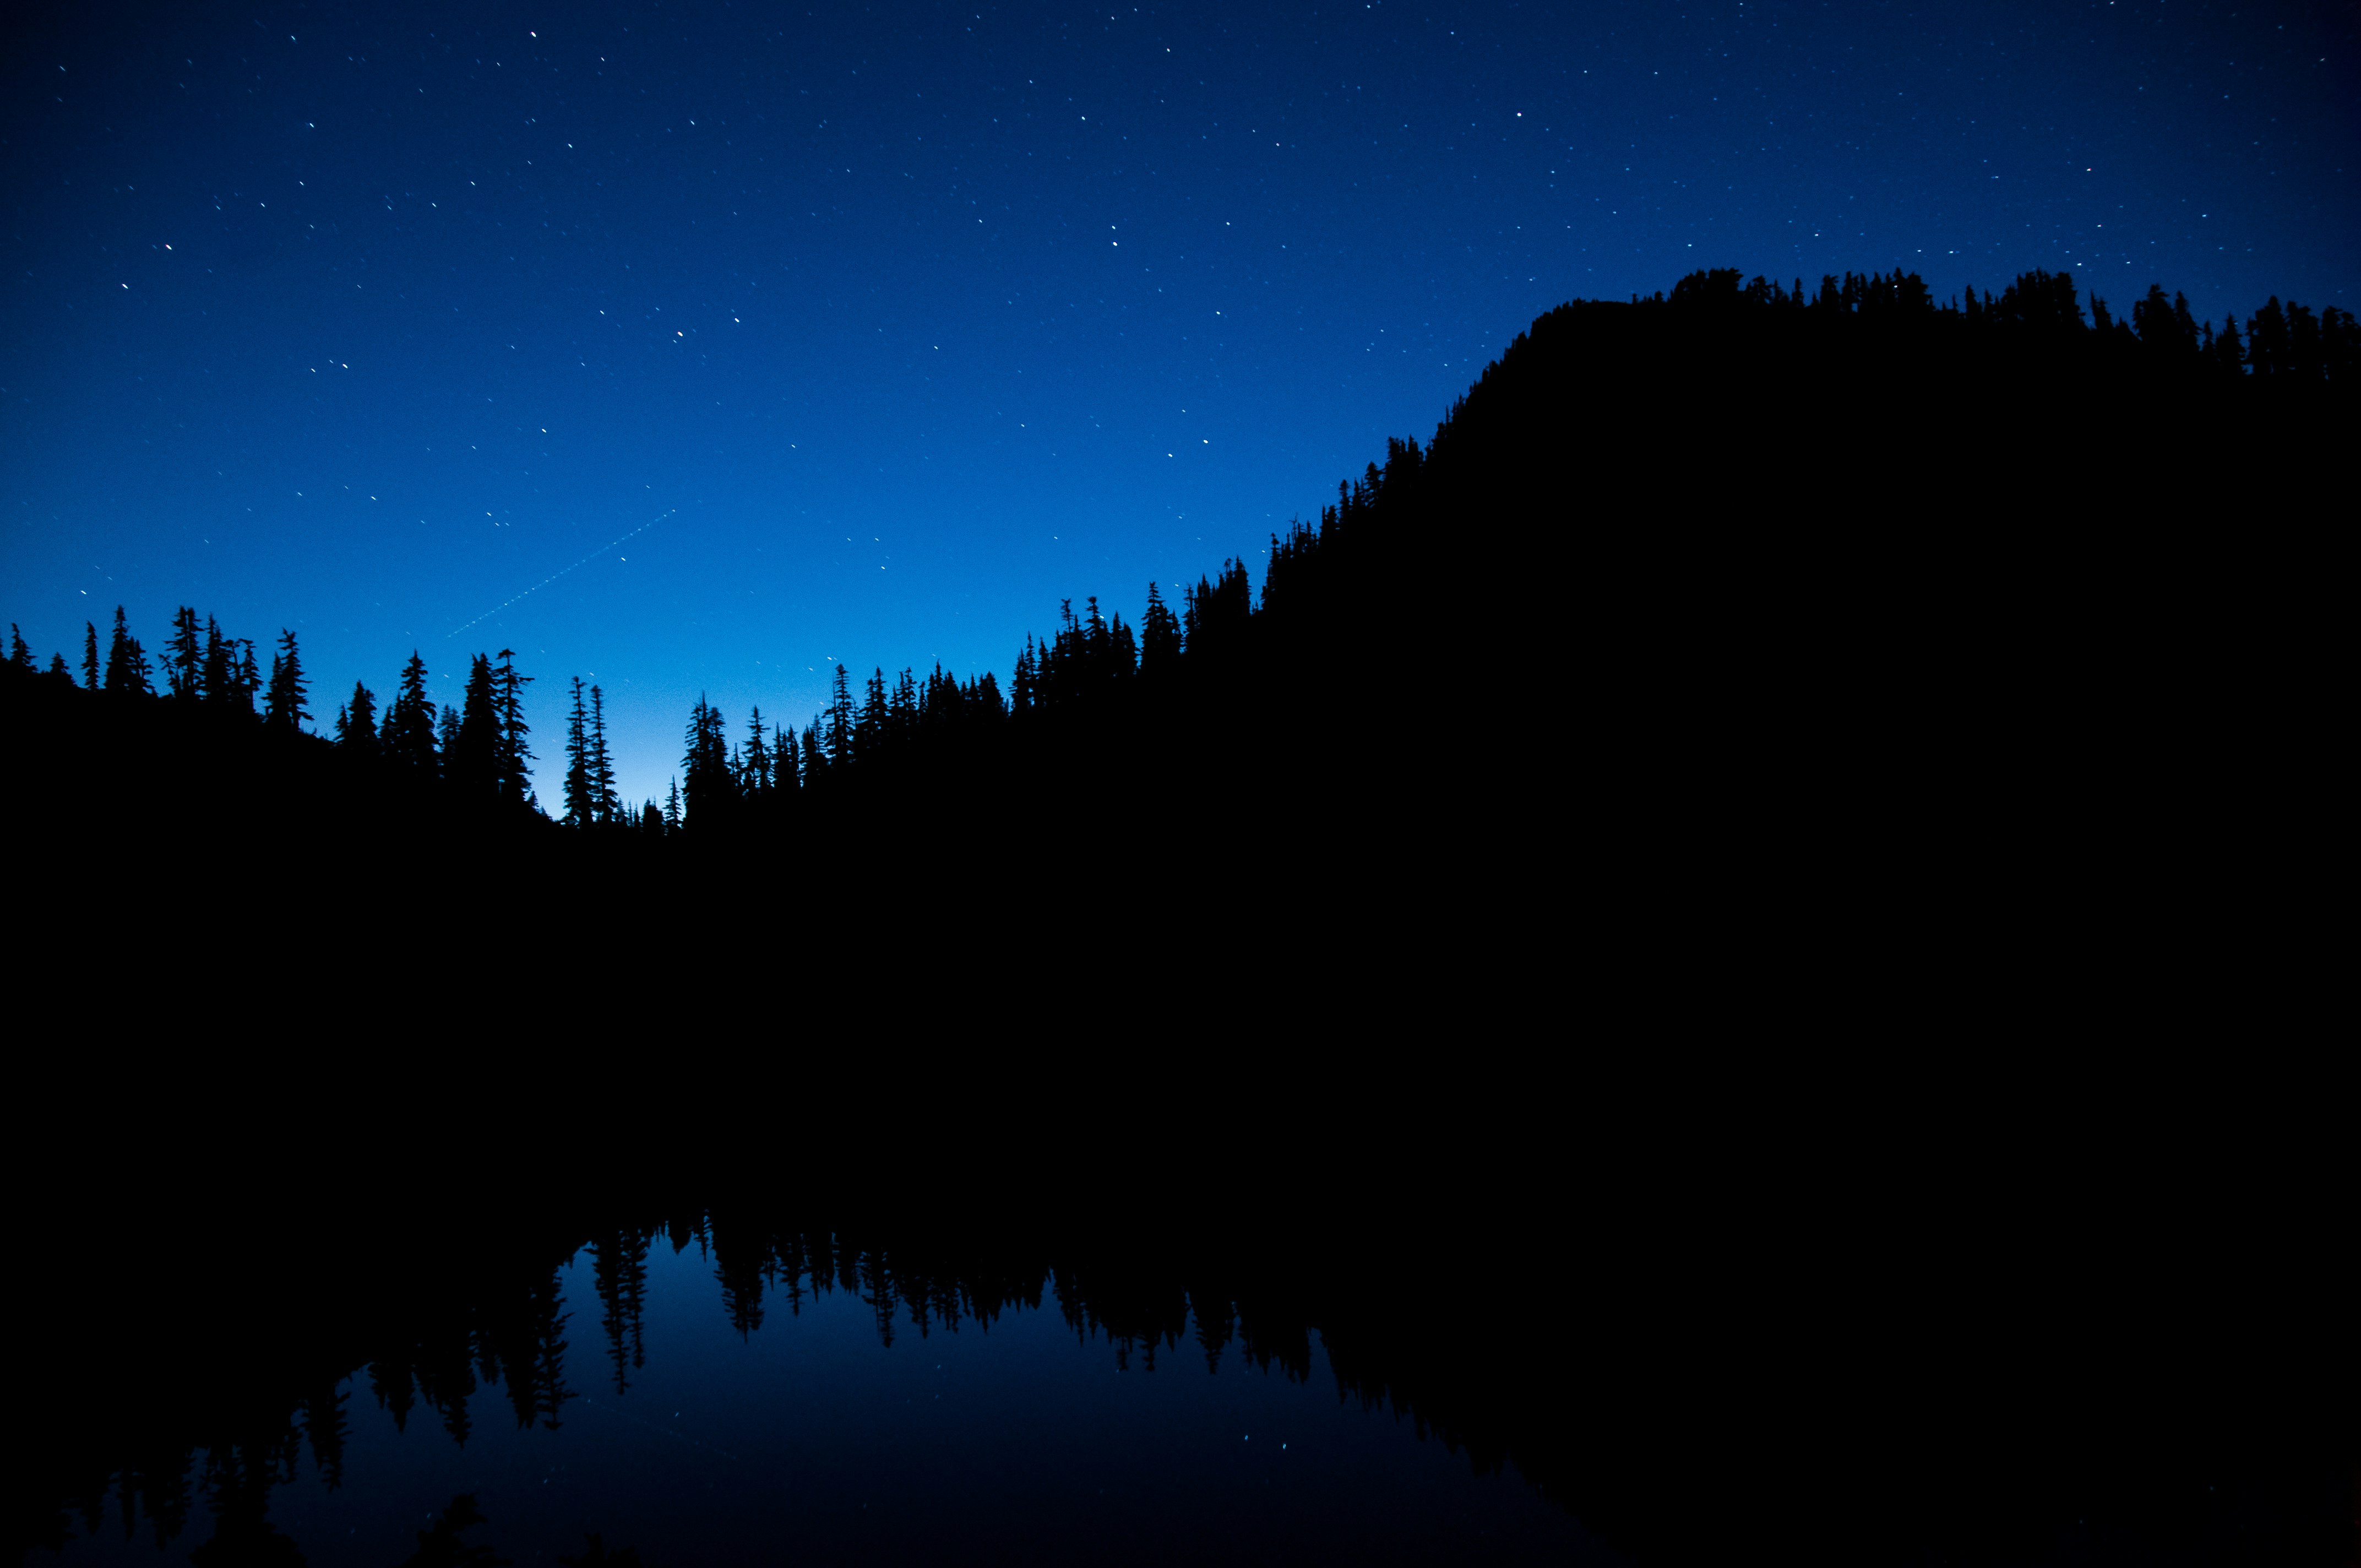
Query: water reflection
[[755, 1385], [699, 1384]]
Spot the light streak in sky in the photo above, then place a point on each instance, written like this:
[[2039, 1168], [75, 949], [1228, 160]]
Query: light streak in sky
[[555, 575]]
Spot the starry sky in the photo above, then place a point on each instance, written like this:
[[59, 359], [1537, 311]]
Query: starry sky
[[694, 348]]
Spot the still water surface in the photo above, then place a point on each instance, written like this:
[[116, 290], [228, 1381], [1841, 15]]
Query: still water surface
[[697, 1424]]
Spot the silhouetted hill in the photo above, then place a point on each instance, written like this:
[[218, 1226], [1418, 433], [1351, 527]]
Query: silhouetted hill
[[1700, 618]]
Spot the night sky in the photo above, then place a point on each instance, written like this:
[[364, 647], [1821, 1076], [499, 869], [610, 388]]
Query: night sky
[[888, 327]]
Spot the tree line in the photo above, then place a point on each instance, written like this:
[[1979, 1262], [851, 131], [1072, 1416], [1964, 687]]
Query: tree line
[[1852, 331], [478, 750]]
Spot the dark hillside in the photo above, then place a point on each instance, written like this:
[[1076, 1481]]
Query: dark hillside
[[1693, 609], [1723, 591]]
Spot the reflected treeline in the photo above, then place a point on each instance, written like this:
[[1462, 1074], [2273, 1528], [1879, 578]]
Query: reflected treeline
[[1664, 1400], [514, 1337], [484, 1324]]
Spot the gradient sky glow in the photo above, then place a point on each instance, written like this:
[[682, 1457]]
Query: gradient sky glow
[[899, 324]]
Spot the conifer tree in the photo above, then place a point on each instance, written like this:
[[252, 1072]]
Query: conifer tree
[[581, 809], [869, 729], [407, 735], [711, 785], [1024, 681], [220, 676], [673, 814], [284, 705], [1160, 635], [249, 677], [471, 753], [184, 668], [512, 754], [786, 763], [126, 662], [57, 668], [356, 723], [839, 718], [1122, 653], [447, 737], [19, 655], [607, 806], [755, 768], [90, 656]]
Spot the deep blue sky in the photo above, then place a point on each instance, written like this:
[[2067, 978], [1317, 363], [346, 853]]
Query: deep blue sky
[[910, 320]]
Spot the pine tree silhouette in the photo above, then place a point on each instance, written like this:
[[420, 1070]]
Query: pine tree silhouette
[[511, 755], [220, 666], [605, 802], [408, 733], [710, 785], [581, 804], [471, 751], [839, 717], [126, 662], [283, 706], [249, 678], [184, 661], [755, 767], [356, 730]]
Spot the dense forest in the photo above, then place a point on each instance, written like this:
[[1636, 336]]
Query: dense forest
[[1741, 520]]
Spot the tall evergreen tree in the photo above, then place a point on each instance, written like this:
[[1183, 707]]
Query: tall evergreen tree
[[755, 768], [581, 807], [90, 656], [356, 723], [471, 755], [512, 754], [19, 655], [126, 662], [408, 733], [674, 816], [284, 705], [249, 677], [869, 728], [220, 676], [786, 760], [1160, 635], [184, 663], [604, 800], [1122, 651], [711, 786], [839, 718]]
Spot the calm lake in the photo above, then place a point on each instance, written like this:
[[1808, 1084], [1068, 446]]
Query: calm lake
[[1207, 1361], [820, 1409]]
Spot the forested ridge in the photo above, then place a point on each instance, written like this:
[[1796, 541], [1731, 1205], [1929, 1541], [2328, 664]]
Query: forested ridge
[[1741, 474]]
